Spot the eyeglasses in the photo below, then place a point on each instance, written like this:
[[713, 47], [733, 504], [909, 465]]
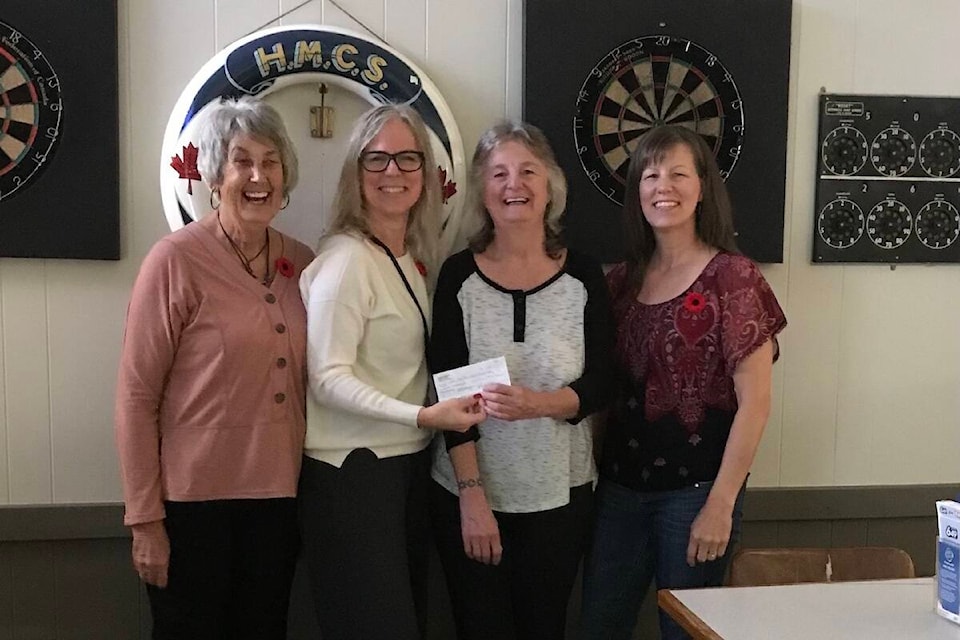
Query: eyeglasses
[[378, 161]]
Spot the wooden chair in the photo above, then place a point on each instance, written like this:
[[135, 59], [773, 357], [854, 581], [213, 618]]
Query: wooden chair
[[760, 567]]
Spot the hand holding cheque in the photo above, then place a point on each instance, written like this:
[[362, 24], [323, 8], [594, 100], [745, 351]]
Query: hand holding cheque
[[458, 391], [470, 380], [473, 381], [491, 380]]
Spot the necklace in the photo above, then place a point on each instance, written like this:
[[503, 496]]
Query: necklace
[[247, 262]]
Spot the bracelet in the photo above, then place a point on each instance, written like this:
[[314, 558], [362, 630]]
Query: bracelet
[[469, 483]]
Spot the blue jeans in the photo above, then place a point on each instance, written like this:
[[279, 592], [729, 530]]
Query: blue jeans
[[639, 536]]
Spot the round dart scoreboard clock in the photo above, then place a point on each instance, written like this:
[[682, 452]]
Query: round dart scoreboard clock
[[645, 83], [30, 111]]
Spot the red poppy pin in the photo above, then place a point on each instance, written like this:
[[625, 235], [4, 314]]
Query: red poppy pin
[[694, 302], [284, 267], [422, 268]]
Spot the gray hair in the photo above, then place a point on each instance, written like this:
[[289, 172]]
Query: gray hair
[[222, 120], [476, 212], [349, 209]]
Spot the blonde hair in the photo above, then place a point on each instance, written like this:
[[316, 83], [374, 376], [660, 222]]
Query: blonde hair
[[349, 211]]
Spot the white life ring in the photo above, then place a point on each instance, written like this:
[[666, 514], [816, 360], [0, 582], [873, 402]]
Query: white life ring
[[273, 58]]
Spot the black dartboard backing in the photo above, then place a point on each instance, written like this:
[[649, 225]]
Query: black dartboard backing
[[597, 75], [59, 181], [888, 179]]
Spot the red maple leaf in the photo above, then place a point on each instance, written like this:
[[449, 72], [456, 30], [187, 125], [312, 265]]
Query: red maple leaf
[[448, 188], [187, 167]]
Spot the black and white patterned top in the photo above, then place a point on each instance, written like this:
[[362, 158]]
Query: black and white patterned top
[[555, 335]]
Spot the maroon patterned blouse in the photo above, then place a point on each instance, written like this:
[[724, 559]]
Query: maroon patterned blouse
[[677, 358]]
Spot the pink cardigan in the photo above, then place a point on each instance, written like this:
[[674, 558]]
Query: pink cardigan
[[210, 393]]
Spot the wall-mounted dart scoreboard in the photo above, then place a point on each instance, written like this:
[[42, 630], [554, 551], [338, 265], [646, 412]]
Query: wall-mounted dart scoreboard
[[888, 180]]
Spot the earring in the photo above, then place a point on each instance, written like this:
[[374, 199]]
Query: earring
[[286, 201], [215, 195]]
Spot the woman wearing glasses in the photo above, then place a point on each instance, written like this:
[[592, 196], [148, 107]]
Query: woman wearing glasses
[[363, 484]]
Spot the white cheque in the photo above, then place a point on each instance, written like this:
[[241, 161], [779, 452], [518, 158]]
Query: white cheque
[[470, 380]]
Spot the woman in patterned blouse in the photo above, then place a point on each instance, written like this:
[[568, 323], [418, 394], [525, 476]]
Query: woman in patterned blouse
[[696, 341]]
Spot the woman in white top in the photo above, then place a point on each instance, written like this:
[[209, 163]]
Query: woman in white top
[[365, 471]]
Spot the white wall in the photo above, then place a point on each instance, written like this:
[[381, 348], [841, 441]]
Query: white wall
[[865, 393]]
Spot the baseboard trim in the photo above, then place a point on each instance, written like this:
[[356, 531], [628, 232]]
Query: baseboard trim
[[93, 521], [61, 522], [845, 503]]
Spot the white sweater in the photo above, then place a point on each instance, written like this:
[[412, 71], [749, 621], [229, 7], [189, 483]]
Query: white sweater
[[366, 367]]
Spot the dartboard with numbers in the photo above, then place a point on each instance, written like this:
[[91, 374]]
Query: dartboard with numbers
[[597, 78], [648, 82], [30, 110], [59, 129]]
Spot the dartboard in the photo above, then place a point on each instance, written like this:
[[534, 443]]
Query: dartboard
[[647, 82], [595, 80], [30, 111]]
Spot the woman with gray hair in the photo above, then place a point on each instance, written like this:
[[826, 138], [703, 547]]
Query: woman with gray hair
[[210, 408], [513, 497], [363, 488]]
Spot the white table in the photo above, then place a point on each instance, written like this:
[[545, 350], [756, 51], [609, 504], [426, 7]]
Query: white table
[[876, 610]]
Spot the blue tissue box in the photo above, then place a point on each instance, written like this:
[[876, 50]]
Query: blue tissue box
[[948, 579]]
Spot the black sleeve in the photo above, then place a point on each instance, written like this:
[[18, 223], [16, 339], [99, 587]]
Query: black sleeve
[[448, 341], [595, 385]]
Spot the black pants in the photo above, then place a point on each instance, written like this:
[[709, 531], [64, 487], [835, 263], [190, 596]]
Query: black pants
[[365, 535], [526, 595], [231, 567]]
